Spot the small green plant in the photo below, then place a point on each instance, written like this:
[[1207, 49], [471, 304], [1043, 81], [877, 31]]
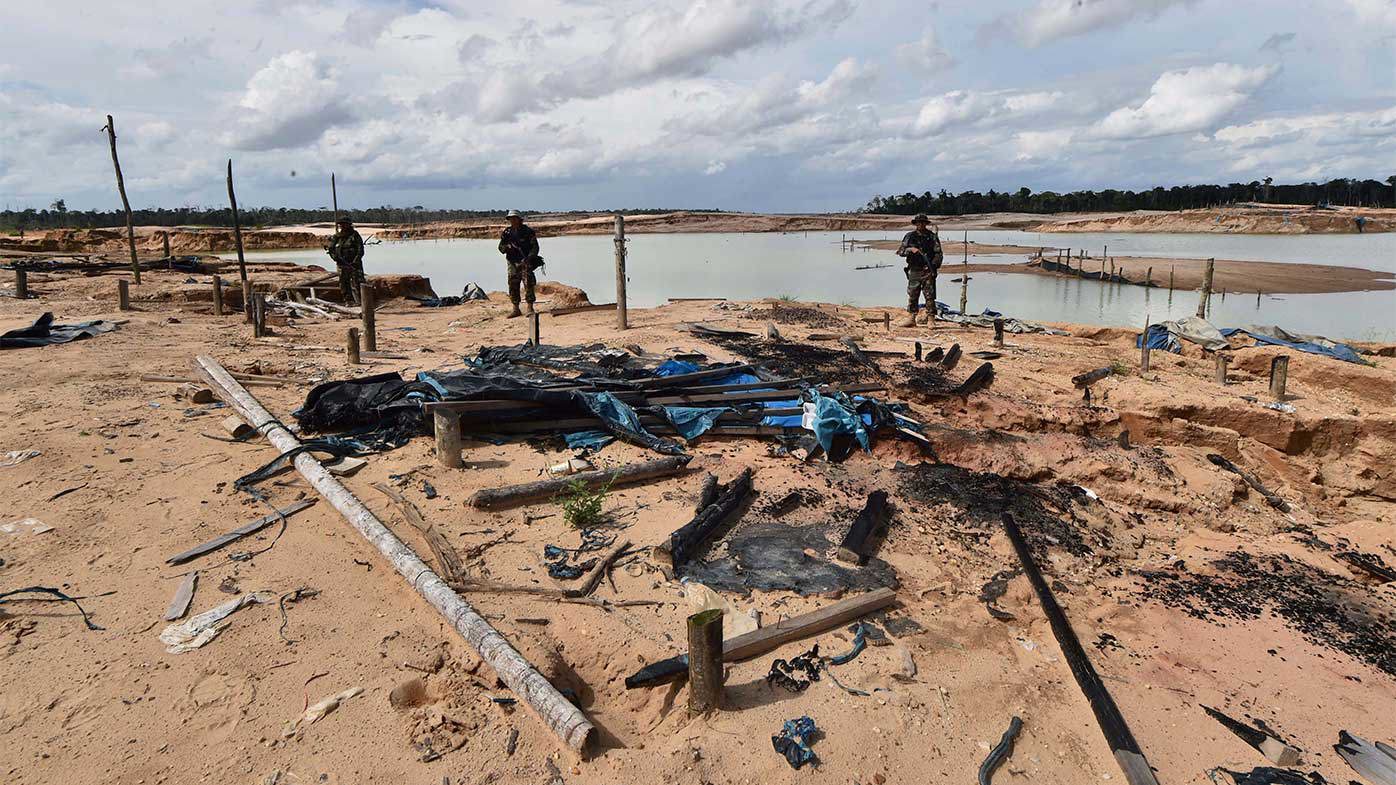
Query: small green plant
[[581, 507], [786, 298], [1119, 368]]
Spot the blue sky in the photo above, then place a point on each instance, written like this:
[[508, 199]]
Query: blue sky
[[782, 105]]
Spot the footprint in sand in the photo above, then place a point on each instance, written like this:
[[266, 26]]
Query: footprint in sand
[[215, 703]]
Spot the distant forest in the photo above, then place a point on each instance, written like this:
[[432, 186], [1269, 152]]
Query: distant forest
[[1371, 193], [58, 216]]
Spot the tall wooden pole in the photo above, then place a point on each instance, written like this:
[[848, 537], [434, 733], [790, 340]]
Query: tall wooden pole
[[366, 308], [237, 239], [334, 199], [125, 204], [622, 318]]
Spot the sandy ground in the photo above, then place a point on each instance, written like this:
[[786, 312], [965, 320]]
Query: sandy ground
[[1238, 219], [128, 476]]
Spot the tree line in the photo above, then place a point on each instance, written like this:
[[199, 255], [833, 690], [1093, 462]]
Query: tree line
[[58, 216], [1343, 191]]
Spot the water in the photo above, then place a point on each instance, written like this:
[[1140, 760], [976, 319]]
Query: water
[[810, 266]]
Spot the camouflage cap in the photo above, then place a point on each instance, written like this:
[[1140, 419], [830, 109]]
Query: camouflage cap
[[513, 214], [920, 219], [344, 219]]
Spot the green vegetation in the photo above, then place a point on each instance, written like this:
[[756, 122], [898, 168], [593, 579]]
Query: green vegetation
[[582, 508]]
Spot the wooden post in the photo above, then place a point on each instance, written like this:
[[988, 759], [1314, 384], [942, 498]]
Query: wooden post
[[123, 296], [964, 283], [21, 283], [366, 305], [1149, 277], [704, 661], [237, 240], [887, 321], [1222, 361], [217, 295], [351, 346], [1279, 375], [998, 332], [1204, 300], [334, 199], [1257, 298], [165, 238], [1144, 348], [125, 204], [1170, 278], [259, 315], [534, 329], [622, 317], [446, 423], [918, 351]]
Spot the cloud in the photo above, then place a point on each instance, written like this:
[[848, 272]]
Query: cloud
[[715, 167], [1051, 20], [925, 54], [1278, 42], [289, 103], [1184, 101], [966, 107], [1376, 12]]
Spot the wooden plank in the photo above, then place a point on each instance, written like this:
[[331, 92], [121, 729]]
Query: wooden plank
[[580, 309], [515, 495], [681, 399], [760, 641], [183, 596], [240, 532], [1112, 724]]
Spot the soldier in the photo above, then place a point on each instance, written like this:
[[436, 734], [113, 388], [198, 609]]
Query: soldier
[[519, 244], [921, 249], [346, 248]]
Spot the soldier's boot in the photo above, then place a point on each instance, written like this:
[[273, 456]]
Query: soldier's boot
[[516, 313], [909, 321], [529, 309], [925, 317]]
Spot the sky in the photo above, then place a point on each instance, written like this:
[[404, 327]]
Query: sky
[[766, 105]]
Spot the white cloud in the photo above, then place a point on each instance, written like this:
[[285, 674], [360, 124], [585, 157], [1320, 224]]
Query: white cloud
[[1377, 12], [966, 107], [1182, 101], [715, 167], [290, 102], [1051, 20], [925, 54]]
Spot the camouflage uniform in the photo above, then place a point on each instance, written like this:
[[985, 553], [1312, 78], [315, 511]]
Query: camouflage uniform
[[520, 249], [347, 250], [921, 267]]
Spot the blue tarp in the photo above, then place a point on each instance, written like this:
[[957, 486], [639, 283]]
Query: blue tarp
[[1161, 338], [832, 417], [692, 421], [1314, 344]]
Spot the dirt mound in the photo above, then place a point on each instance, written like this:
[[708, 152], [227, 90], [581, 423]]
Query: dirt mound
[[562, 295], [1238, 220]]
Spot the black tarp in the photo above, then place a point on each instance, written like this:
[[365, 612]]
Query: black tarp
[[44, 333]]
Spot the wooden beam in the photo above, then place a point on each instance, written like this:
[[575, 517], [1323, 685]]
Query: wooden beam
[[240, 532], [870, 523], [515, 495], [704, 661], [563, 718], [691, 538], [1270, 496], [1112, 724], [369, 317], [1275, 750], [237, 241], [580, 309], [760, 641], [1279, 376], [622, 315]]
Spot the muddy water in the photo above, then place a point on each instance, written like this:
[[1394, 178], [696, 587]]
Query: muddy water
[[811, 266]]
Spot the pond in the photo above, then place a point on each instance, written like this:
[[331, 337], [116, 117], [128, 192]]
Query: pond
[[812, 266]]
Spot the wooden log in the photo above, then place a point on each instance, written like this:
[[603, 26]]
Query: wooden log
[[760, 641], [581, 309], [622, 316], [240, 532], [237, 242], [1090, 377], [369, 317], [593, 578], [867, 527], [351, 346], [918, 351], [183, 596], [217, 295], [1144, 348], [1220, 374], [259, 315], [704, 661], [1275, 750], [1279, 376], [1271, 498], [564, 719], [21, 284], [250, 380], [452, 569], [1205, 297], [690, 539], [125, 203], [123, 295], [236, 428], [708, 493], [1112, 724], [446, 424], [515, 495], [165, 240], [998, 332], [336, 307]]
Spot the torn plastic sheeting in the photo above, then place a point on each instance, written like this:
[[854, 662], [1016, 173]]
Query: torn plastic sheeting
[[860, 642], [692, 421], [1160, 338], [589, 441], [196, 631], [1313, 344], [43, 332], [318, 711], [831, 418], [794, 739]]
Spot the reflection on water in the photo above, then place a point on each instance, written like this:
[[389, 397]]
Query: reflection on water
[[811, 266]]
